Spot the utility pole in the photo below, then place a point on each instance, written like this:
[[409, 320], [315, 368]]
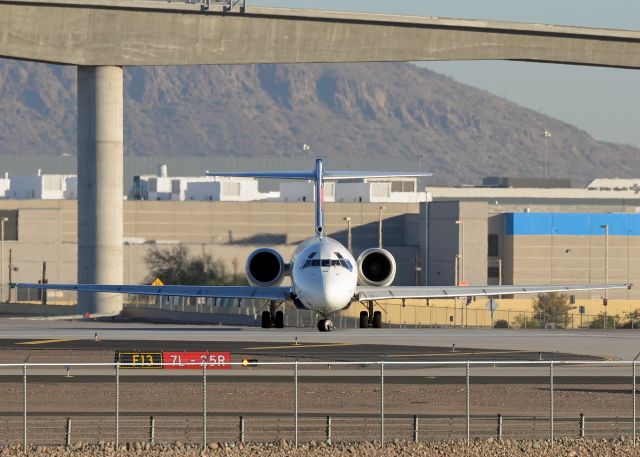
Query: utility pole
[[460, 223], [44, 281], [2, 221], [10, 270], [382, 208], [605, 302], [546, 136]]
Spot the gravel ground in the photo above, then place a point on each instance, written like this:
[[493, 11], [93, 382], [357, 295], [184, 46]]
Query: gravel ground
[[486, 448]]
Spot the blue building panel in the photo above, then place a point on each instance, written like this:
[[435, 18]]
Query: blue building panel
[[528, 223], [618, 224], [572, 224]]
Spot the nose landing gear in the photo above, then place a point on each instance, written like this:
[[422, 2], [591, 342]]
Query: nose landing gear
[[325, 325]]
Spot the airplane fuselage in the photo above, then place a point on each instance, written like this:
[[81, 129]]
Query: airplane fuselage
[[324, 275]]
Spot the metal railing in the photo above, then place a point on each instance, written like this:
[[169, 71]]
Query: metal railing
[[227, 5], [60, 404]]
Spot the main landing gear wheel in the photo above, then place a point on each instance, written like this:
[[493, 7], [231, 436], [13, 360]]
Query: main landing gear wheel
[[279, 320], [377, 319], [266, 319], [364, 319], [325, 325]]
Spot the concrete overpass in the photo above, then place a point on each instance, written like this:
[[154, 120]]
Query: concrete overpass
[[121, 33], [102, 36]]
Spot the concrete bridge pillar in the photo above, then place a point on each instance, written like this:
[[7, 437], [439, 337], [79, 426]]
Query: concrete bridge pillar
[[100, 167]]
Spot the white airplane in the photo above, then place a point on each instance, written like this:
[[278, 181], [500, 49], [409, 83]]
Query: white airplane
[[325, 277]]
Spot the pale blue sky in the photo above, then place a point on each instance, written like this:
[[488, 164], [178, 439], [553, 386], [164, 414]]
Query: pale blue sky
[[604, 102]]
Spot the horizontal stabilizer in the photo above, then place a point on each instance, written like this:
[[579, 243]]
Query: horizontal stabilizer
[[298, 175], [327, 175], [348, 175]]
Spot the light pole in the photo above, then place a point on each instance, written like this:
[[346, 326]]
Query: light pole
[[348, 220], [606, 271], [2, 221], [545, 135], [461, 246], [382, 208], [128, 245]]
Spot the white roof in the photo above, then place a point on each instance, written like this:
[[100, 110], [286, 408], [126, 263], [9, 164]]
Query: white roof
[[614, 184], [528, 193]]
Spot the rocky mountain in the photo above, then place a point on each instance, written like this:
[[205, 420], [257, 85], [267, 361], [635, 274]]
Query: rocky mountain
[[367, 113]]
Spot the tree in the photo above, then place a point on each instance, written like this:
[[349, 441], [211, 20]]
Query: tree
[[633, 320], [175, 266], [552, 307], [603, 321]]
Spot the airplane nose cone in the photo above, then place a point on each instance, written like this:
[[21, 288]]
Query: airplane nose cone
[[335, 294]]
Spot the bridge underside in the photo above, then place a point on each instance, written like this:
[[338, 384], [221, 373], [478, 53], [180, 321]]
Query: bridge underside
[[102, 36], [117, 32]]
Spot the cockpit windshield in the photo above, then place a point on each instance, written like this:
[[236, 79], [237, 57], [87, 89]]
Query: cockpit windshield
[[327, 263]]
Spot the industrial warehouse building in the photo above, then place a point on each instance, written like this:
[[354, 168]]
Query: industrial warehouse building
[[534, 236], [465, 235]]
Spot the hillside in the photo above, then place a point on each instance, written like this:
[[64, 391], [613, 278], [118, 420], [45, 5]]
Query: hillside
[[365, 112]]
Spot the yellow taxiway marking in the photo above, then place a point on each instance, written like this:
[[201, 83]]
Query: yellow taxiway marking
[[44, 341], [302, 346], [436, 354]]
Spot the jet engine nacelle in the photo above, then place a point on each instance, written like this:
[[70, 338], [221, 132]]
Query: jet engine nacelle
[[265, 267], [376, 267]]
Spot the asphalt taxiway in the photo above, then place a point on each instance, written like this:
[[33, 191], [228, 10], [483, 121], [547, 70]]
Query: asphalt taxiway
[[343, 344], [279, 351]]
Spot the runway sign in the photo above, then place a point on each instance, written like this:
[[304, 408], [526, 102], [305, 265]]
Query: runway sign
[[174, 360], [140, 359], [194, 360]]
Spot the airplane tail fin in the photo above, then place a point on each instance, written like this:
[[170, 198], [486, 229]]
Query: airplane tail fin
[[319, 176]]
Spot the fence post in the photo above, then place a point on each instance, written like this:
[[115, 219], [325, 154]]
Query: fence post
[[295, 406], [242, 429], [328, 429], [382, 404], [467, 404], [152, 430], [551, 401], [117, 404], [68, 432], [204, 405], [633, 391], [499, 428], [415, 429], [581, 433], [24, 411]]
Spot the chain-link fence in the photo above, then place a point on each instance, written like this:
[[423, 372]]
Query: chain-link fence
[[58, 404], [411, 315]]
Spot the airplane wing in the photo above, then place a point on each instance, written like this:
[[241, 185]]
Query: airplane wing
[[248, 292], [381, 293]]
